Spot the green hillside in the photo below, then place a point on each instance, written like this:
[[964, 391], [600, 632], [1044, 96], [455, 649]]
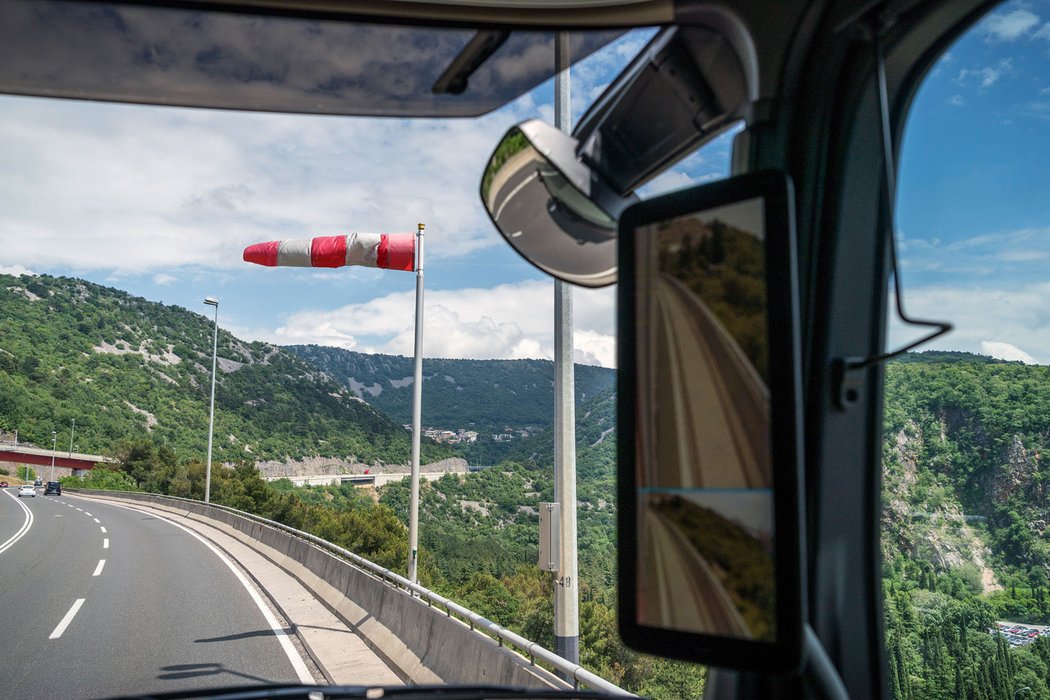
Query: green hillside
[[124, 367], [964, 534], [482, 395]]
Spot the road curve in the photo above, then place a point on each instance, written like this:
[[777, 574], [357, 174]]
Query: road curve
[[159, 611], [719, 435], [679, 588]]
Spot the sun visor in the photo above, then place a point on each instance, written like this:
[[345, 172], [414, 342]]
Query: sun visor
[[186, 57]]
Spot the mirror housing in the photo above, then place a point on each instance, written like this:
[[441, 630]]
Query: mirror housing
[[556, 198], [554, 210], [710, 513]]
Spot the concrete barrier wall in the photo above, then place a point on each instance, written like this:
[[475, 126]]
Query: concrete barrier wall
[[422, 643]]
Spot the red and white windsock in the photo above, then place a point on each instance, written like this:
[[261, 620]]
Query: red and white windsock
[[390, 251]]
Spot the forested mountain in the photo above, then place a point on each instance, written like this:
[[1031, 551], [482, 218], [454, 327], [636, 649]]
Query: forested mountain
[[482, 395], [965, 538], [123, 367]]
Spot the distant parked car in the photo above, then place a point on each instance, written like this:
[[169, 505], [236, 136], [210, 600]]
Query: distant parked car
[[27, 490], [53, 487]]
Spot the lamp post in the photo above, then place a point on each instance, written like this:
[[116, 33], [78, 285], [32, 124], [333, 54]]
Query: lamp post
[[212, 301], [72, 429], [54, 444]]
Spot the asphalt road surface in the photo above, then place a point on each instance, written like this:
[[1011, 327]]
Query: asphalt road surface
[[98, 600]]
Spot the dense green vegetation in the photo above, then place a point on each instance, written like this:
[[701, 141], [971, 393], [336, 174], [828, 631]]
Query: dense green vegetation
[[965, 541], [122, 366], [725, 267]]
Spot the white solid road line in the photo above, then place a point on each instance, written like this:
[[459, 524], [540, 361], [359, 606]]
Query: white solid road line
[[282, 636], [98, 569], [28, 523], [67, 619], [105, 543]]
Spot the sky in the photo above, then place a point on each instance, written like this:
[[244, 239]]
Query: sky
[[161, 201], [974, 189]]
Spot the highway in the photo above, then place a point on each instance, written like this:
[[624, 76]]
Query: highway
[[714, 408], [98, 600]]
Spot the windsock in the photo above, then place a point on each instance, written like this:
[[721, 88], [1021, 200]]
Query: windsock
[[390, 251]]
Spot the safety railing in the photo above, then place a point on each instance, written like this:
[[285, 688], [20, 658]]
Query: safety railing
[[533, 651]]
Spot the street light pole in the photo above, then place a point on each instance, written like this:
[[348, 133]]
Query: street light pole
[[72, 429], [54, 445], [417, 415], [212, 301], [566, 585]]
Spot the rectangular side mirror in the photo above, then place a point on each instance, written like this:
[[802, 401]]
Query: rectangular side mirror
[[710, 509]]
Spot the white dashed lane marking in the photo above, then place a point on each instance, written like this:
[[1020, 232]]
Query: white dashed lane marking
[[102, 527], [105, 543], [67, 619], [98, 569], [96, 520]]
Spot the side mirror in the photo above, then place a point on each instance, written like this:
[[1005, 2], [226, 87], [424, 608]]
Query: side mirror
[[550, 207], [710, 510]]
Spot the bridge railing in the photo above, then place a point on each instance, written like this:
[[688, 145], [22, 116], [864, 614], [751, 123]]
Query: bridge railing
[[477, 623]]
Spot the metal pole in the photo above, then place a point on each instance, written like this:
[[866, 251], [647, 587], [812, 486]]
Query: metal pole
[[72, 429], [54, 446], [211, 418], [566, 589], [417, 415]]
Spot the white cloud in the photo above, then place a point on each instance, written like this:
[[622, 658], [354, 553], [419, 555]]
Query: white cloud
[[984, 77], [1009, 26], [163, 279], [16, 270], [956, 101], [1006, 351], [143, 189], [1006, 316], [1043, 33], [510, 321]]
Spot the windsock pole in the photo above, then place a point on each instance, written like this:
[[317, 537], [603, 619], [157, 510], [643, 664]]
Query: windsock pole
[[417, 416]]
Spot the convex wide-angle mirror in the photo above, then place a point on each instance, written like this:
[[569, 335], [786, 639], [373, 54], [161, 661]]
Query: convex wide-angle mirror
[[556, 198], [708, 406], [554, 210]]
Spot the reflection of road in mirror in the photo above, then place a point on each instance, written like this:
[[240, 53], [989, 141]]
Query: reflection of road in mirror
[[700, 572], [712, 427]]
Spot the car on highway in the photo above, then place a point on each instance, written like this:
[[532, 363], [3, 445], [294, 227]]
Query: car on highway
[[53, 488], [3, 484], [27, 490]]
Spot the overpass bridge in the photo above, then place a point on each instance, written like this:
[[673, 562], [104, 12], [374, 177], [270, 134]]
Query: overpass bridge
[[21, 454]]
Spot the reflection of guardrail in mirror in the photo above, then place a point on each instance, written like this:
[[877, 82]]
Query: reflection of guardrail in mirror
[[719, 435]]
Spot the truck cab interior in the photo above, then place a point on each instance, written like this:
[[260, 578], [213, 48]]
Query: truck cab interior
[[817, 91]]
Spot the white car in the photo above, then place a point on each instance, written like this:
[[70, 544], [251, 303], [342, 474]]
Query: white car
[[27, 490]]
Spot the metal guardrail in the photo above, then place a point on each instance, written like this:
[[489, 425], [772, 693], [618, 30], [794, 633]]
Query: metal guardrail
[[528, 648]]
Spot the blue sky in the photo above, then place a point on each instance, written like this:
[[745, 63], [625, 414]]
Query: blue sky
[[161, 202], [974, 189]]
